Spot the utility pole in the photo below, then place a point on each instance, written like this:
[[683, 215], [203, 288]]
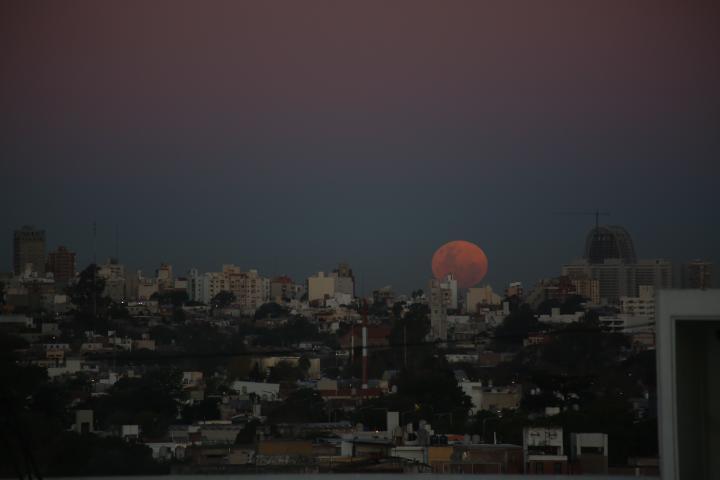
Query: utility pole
[[117, 243], [94, 272], [405, 345]]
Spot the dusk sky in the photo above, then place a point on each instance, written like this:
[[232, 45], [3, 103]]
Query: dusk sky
[[288, 136]]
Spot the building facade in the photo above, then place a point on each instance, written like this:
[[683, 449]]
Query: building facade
[[320, 286], [29, 251], [610, 259], [697, 274], [61, 263]]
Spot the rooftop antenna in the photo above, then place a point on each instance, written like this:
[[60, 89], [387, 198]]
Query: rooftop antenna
[[597, 213], [94, 270], [117, 243]]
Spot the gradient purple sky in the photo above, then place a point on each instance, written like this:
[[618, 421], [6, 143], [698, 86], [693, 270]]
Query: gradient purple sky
[[290, 135]]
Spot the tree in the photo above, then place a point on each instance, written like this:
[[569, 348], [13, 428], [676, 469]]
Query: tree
[[270, 310], [222, 299], [409, 334], [248, 433], [378, 309], [150, 401], [87, 294], [206, 409], [173, 297], [285, 372], [255, 374], [302, 405], [397, 309], [428, 392], [515, 328]]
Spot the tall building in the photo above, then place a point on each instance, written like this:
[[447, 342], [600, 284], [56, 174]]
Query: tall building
[[449, 285], [697, 274], [588, 288], [114, 275], [643, 304], [609, 242], [514, 289], [61, 263], [202, 287], [481, 296], [249, 288], [164, 276], [29, 250], [610, 259], [283, 289], [320, 286], [438, 299], [344, 279], [559, 289]]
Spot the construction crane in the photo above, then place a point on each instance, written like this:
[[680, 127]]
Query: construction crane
[[597, 213]]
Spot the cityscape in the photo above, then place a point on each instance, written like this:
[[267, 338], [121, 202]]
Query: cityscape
[[359, 239], [234, 372]]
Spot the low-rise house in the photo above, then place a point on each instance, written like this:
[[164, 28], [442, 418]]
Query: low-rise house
[[476, 459], [266, 391], [166, 451], [266, 363], [144, 344], [219, 432], [192, 379], [589, 453], [8, 321], [543, 451], [495, 398]]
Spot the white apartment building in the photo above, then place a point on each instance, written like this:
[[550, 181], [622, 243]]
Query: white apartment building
[[202, 287], [450, 287], [643, 304], [626, 323], [556, 317]]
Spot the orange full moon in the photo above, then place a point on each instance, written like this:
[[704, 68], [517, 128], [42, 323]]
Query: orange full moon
[[465, 260]]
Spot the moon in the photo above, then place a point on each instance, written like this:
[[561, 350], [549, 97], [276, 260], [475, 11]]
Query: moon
[[465, 260]]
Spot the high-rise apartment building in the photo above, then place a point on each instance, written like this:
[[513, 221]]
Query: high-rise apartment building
[[610, 259], [438, 299], [697, 274], [164, 276], [643, 304], [250, 289], [344, 279], [449, 285], [114, 275], [29, 250], [481, 297], [61, 263], [283, 289], [320, 287]]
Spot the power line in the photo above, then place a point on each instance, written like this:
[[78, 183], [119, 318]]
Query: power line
[[399, 347]]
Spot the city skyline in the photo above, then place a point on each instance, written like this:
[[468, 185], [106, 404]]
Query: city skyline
[[677, 273], [287, 138], [360, 237]]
